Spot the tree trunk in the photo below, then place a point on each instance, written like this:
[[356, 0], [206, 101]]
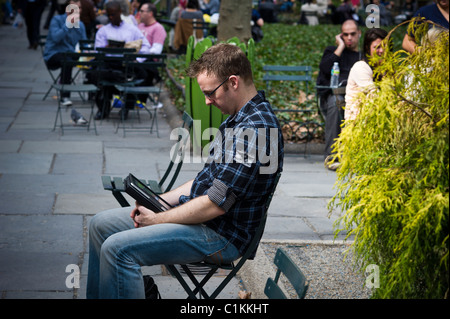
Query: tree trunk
[[234, 20]]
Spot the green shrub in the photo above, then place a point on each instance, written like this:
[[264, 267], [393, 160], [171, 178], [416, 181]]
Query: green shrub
[[393, 182]]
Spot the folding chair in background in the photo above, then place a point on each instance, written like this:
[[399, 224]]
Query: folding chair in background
[[116, 186], [113, 61], [213, 268], [55, 78], [150, 63], [292, 272], [82, 60]]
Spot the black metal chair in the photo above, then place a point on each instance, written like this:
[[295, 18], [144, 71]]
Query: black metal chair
[[150, 63], [55, 78], [213, 268], [86, 61], [113, 63]]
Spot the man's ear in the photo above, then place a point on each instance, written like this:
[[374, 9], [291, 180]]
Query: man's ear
[[234, 81]]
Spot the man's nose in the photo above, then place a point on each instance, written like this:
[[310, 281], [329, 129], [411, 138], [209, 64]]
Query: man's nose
[[208, 101]]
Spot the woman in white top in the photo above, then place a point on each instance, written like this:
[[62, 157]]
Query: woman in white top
[[361, 74]]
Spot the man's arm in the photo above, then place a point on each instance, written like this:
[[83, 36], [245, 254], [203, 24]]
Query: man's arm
[[173, 196], [328, 58], [198, 210], [409, 44]]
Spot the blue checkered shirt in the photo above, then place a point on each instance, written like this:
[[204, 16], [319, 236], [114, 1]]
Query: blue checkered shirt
[[244, 158]]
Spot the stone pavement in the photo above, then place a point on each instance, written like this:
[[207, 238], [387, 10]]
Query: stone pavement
[[50, 185]]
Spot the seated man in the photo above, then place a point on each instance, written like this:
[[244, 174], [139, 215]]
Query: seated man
[[155, 34], [115, 32], [346, 53], [436, 12], [62, 39], [216, 214]]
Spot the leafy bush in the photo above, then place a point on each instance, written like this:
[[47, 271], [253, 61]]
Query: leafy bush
[[393, 182]]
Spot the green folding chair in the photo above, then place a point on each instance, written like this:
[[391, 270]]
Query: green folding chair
[[293, 274], [116, 186]]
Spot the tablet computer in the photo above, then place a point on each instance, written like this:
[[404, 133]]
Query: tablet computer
[[144, 195], [115, 44]]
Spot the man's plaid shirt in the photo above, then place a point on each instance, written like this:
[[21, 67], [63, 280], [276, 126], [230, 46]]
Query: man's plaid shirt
[[239, 175]]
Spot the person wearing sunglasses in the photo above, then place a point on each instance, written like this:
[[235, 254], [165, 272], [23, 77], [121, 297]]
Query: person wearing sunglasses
[[215, 215]]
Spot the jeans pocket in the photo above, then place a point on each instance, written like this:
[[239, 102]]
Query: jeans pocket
[[215, 258]]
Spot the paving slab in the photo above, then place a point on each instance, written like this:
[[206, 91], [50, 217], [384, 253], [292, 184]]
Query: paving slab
[[85, 204], [14, 203], [13, 163], [66, 147]]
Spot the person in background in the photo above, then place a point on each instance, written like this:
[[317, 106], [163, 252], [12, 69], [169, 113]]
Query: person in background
[[361, 76], [31, 11], [346, 53], [174, 15], [88, 17], [51, 12], [310, 9], [268, 11], [156, 36], [116, 30], [61, 39], [152, 29], [215, 215], [257, 23], [192, 11], [436, 12], [211, 7]]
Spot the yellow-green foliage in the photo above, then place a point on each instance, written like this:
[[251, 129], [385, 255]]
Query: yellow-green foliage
[[393, 182]]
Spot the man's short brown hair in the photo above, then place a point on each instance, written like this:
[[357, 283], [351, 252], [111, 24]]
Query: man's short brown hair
[[222, 60]]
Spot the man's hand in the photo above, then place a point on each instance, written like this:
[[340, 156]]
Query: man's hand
[[339, 40], [142, 216], [340, 44]]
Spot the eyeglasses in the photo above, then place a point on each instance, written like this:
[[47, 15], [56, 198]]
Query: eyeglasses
[[210, 94], [143, 11]]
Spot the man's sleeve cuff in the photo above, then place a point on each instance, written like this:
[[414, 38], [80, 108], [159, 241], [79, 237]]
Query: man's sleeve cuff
[[221, 195]]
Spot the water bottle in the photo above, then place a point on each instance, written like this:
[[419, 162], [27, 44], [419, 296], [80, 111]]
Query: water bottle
[[334, 83]]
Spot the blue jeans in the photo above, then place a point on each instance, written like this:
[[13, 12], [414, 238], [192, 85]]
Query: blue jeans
[[117, 251]]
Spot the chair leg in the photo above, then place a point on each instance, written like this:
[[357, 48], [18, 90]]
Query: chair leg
[[55, 81], [181, 280], [46, 94], [91, 117], [120, 198], [155, 120], [198, 285], [59, 115]]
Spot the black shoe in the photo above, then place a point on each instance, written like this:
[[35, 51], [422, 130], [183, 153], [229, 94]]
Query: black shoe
[[151, 289], [99, 116]]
